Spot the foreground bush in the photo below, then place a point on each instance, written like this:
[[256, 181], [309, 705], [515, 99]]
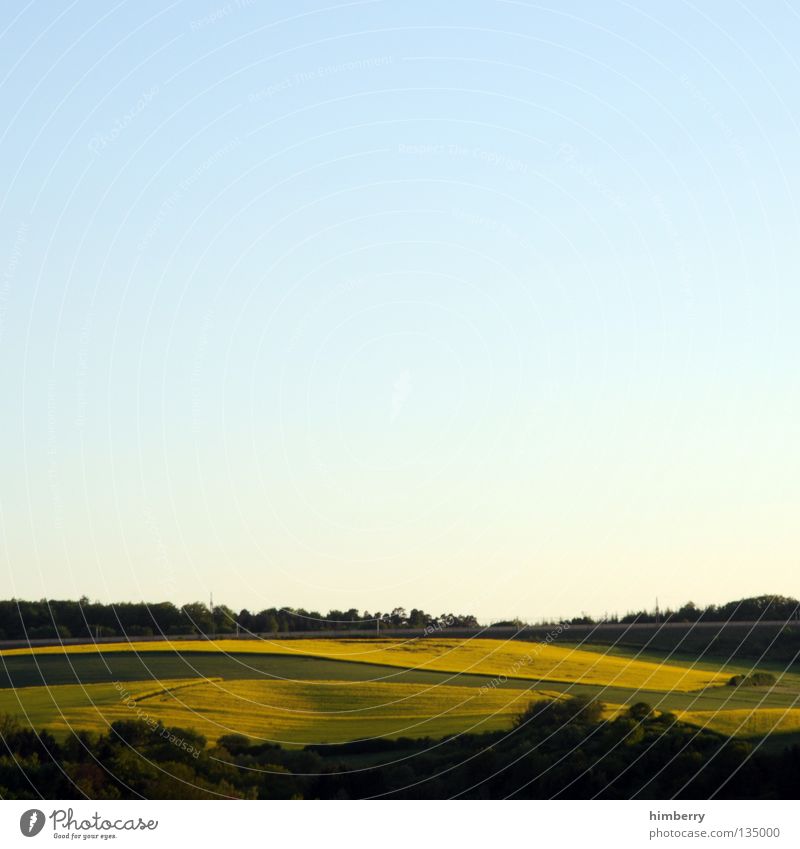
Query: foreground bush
[[557, 749]]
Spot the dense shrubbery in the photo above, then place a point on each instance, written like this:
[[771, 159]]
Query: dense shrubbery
[[754, 679], [557, 749]]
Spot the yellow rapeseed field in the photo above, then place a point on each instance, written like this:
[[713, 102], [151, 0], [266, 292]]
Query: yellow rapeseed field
[[44, 706], [531, 661], [294, 713], [743, 722]]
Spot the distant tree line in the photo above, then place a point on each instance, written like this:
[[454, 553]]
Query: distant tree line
[[50, 619], [763, 607], [559, 749]]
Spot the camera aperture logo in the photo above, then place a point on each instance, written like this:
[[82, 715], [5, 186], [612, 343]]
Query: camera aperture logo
[[31, 822]]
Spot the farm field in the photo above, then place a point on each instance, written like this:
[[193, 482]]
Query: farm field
[[509, 658], [703, 660], [90, 668], [746, 723], [51, 707], [303, 692], [284, 712]]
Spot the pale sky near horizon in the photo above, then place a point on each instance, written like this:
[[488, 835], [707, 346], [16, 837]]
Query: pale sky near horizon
[[487, 307]]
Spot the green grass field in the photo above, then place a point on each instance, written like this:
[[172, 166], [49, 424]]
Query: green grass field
[[283, 712], [300, 692]]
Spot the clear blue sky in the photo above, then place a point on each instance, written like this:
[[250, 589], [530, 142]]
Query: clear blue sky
[[485, 306]]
